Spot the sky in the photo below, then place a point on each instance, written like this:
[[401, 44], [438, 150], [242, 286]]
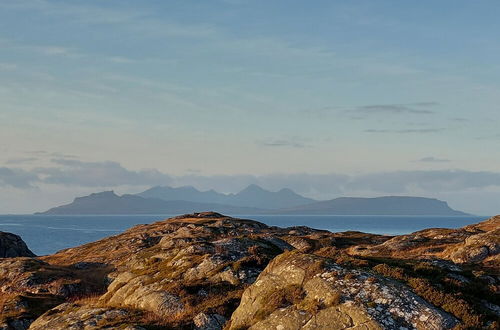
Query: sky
[[328, 98]]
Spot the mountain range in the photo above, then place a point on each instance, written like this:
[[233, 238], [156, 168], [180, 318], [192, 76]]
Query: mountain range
[[251, 200], [251, 196]]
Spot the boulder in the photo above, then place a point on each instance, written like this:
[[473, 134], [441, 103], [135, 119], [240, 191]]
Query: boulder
[[12, 246], [203, 321], [76, 316], [477, 248], [303, 291]]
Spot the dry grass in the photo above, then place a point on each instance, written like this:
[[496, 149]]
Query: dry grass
[[153, 319], [282, 297], [388, 271], [87, 299]]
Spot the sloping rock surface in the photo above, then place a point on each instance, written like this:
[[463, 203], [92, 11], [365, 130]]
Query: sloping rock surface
[[303, 291], [472, 244], [76, 316], [209, 271], [13, 246]]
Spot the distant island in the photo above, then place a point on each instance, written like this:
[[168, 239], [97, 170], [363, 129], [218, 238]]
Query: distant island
[[249, 201]]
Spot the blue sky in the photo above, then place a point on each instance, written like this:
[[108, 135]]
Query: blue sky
[[226, 93]]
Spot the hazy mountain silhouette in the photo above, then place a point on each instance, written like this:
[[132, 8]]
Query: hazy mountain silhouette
[[108, 202], [186, 193], [252, 196], [388, 205], [270, 203]]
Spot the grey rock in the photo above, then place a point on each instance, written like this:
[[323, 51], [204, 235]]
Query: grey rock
[[203, 321]]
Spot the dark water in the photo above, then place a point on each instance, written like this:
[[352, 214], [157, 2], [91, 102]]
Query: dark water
[[46, 234]]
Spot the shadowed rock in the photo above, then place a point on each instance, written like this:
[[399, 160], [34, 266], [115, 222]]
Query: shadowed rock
[[13, 246]]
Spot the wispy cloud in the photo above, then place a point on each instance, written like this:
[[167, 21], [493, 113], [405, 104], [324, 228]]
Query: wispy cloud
[[37, 152], [134, 19], [8, 66], [50, 154], [72, 172], [39, 49], [17, 178], [374, 110], [420, 108], [489, 137], [431, 159], [292, 143], [120, 60], [62, 155], [88, 13], [459, 119], [53, 50], [405, 131], [21, 160]]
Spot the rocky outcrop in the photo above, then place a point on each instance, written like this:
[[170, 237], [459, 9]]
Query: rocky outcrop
[[482, 246], [76, 316], [303, 291], [208, 271], [29, 287], [200, 262], [204, 321], [478, 243], [12, 246]]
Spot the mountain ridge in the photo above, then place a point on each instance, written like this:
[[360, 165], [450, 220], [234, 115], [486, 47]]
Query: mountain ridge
[[251, 196], [383, 205], [108, 202]]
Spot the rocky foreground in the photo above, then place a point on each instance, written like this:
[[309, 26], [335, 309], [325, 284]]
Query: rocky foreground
[[209, 271]]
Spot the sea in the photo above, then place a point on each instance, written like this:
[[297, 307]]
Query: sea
[[47, 234]]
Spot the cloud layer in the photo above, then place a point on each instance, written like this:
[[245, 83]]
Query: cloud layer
[[419, 108], [98, 174], [17, 178], [406, 131], [76, 173], [431, 159]]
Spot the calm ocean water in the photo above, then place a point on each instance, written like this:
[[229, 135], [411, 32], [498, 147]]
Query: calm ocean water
[[46, 234]]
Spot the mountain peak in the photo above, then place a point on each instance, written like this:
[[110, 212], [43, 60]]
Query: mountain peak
[[252, 196], [287, 191], [106, 193], [102, 194], [253, 188]]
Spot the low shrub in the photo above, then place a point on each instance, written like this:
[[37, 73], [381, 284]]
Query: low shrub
[[448, 302], [389, 271]]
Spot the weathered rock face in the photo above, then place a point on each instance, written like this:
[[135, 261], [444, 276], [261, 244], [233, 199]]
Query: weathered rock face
[[29, 287], [199, 267], [12, 246], [190, 270], [303, 291], [482, 247], [198, 271], [204, 321], [75, 316], [478, 243]]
